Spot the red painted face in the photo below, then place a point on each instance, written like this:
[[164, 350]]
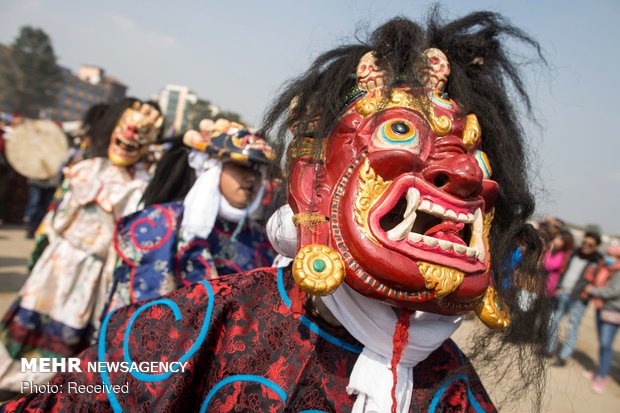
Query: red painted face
[[409, 201]]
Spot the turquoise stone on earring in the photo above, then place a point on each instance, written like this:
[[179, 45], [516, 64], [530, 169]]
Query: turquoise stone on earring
[[318, 265]]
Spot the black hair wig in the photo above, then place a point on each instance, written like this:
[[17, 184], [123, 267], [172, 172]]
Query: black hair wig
[[92, 116], [485, 81], [155, 105], [173, 176]]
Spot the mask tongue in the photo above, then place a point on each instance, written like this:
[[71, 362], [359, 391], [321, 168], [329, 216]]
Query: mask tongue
[[448, 230]]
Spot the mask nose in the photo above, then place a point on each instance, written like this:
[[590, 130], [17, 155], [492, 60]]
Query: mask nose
[[456, 174], [130, 131]]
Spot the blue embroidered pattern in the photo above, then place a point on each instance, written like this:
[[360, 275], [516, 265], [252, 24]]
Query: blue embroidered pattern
[[311, 325], [177, 315], [450, 380], [243, 378]]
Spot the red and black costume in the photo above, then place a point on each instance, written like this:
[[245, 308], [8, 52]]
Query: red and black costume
[[251, 346]]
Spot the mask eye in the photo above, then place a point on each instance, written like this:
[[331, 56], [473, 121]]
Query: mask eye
[[442, 99], [399, 132], [484, 163]]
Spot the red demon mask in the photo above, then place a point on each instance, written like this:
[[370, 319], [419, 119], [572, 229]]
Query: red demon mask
[[400, 201]]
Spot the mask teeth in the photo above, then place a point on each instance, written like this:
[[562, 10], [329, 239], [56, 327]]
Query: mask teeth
[[477, 242], [476, 247], [402, 230]]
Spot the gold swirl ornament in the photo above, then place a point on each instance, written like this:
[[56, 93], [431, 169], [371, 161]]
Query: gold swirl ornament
[[440, 279], [492, 311], [472, 132], [318, 269], [371, 187], [370, 104]]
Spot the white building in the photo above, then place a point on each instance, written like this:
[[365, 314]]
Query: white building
[[175, 102]]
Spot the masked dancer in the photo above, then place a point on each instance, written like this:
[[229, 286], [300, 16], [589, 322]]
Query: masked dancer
[[57, 308]]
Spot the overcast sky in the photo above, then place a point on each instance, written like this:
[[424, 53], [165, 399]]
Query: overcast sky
[[238, 53]]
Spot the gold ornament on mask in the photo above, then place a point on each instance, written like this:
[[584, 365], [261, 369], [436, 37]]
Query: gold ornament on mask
[[441, 279], [441, 125], [318, 269], [492, 311], [472, 132], [306, 147], [369, 105], [370, 187], [309, 219]]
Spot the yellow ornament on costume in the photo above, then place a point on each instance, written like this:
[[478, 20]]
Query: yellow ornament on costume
[[318, 269]]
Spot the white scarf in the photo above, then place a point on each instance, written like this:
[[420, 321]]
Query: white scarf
[[204, 201], [372, 323], [282, 233]]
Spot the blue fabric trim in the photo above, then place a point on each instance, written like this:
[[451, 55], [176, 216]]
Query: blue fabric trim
[[243, 378], [105, 378], [328, 337], [101, 347], [310, 324], [281, 288], [177, 316], [440, 392]]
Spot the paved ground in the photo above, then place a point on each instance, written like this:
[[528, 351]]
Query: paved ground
[[567, 389]]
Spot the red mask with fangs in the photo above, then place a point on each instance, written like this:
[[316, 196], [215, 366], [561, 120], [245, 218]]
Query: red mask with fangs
[[401, 202]]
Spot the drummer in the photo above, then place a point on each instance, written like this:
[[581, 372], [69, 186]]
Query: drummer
[[36, 150]]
